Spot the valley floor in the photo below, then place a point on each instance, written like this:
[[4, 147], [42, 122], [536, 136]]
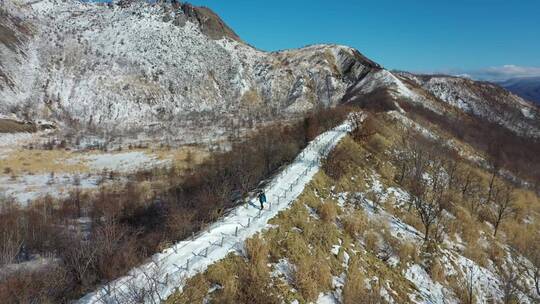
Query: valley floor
[[29, 171]]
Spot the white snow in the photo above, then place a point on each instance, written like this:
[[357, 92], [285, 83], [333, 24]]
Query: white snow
[[431, 292], [185, 259], [26, 188], [121, 162], [284, 269], [327, 299]]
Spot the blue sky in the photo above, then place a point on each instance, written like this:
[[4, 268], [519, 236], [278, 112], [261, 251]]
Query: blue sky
[[478, 37]]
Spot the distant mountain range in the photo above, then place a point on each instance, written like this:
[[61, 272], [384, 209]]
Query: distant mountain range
[[526, 87]]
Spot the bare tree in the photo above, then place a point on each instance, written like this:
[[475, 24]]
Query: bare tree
[[470, 186], [509, 288], [495, 161], [76, 194], [403, 156], [11, 234], [452, 169], [503, 206], [10, 246], [429, 205], [80, 259], [468, 295], [532, 269]]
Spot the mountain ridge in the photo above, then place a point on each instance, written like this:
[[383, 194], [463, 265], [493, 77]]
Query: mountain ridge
[[134, 67]]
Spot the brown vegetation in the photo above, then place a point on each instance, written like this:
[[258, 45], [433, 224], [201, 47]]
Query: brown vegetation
[[519, 154], [127, 224]]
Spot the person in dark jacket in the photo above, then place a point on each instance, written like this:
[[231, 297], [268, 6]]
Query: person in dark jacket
[[262, 198]]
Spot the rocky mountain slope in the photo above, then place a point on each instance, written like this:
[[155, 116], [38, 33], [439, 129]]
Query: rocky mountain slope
[[134, 65], [482, 99], [139, 67], [447, 96]]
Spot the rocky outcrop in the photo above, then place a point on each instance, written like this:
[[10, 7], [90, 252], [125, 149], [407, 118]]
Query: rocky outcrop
[[209, 22]]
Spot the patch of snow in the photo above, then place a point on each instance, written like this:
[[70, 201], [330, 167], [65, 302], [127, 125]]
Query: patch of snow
[[335, 249], [431, 292], [327, 299], [284, 269], [26, 188], [121, 162]]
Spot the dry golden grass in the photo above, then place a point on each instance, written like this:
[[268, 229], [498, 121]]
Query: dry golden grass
[[408, 253], [257, 253], [371, 240], [373, 267], [355, 289], [251, 98], [460, 288], [224, 275], [12, 126], [41, 161], [312, 276], [436, 270], [328, 211], [240, 281], [195, 291], [468, 227], [182, 157], [413, 220], [497, 254], [521, 235], [386, 170], [355, 223], [378, 144], [527, 203], [476, 253], [36, 161]]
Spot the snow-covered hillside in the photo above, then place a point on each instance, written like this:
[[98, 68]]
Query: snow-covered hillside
[[140, 65], [482, 99], [354, 236]]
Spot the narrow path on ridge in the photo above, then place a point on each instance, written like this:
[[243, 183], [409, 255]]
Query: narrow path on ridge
[[154, 281]]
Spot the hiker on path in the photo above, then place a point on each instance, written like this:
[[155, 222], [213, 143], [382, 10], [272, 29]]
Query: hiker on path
[[262, 198]]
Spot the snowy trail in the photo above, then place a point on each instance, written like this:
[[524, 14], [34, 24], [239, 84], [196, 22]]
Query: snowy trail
[[158, 279]]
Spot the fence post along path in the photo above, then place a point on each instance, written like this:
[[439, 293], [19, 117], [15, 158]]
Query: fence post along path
[[167, 271]]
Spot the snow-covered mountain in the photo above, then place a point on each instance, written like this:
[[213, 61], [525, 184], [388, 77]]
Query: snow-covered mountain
[[481, 99], [135, 64]]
